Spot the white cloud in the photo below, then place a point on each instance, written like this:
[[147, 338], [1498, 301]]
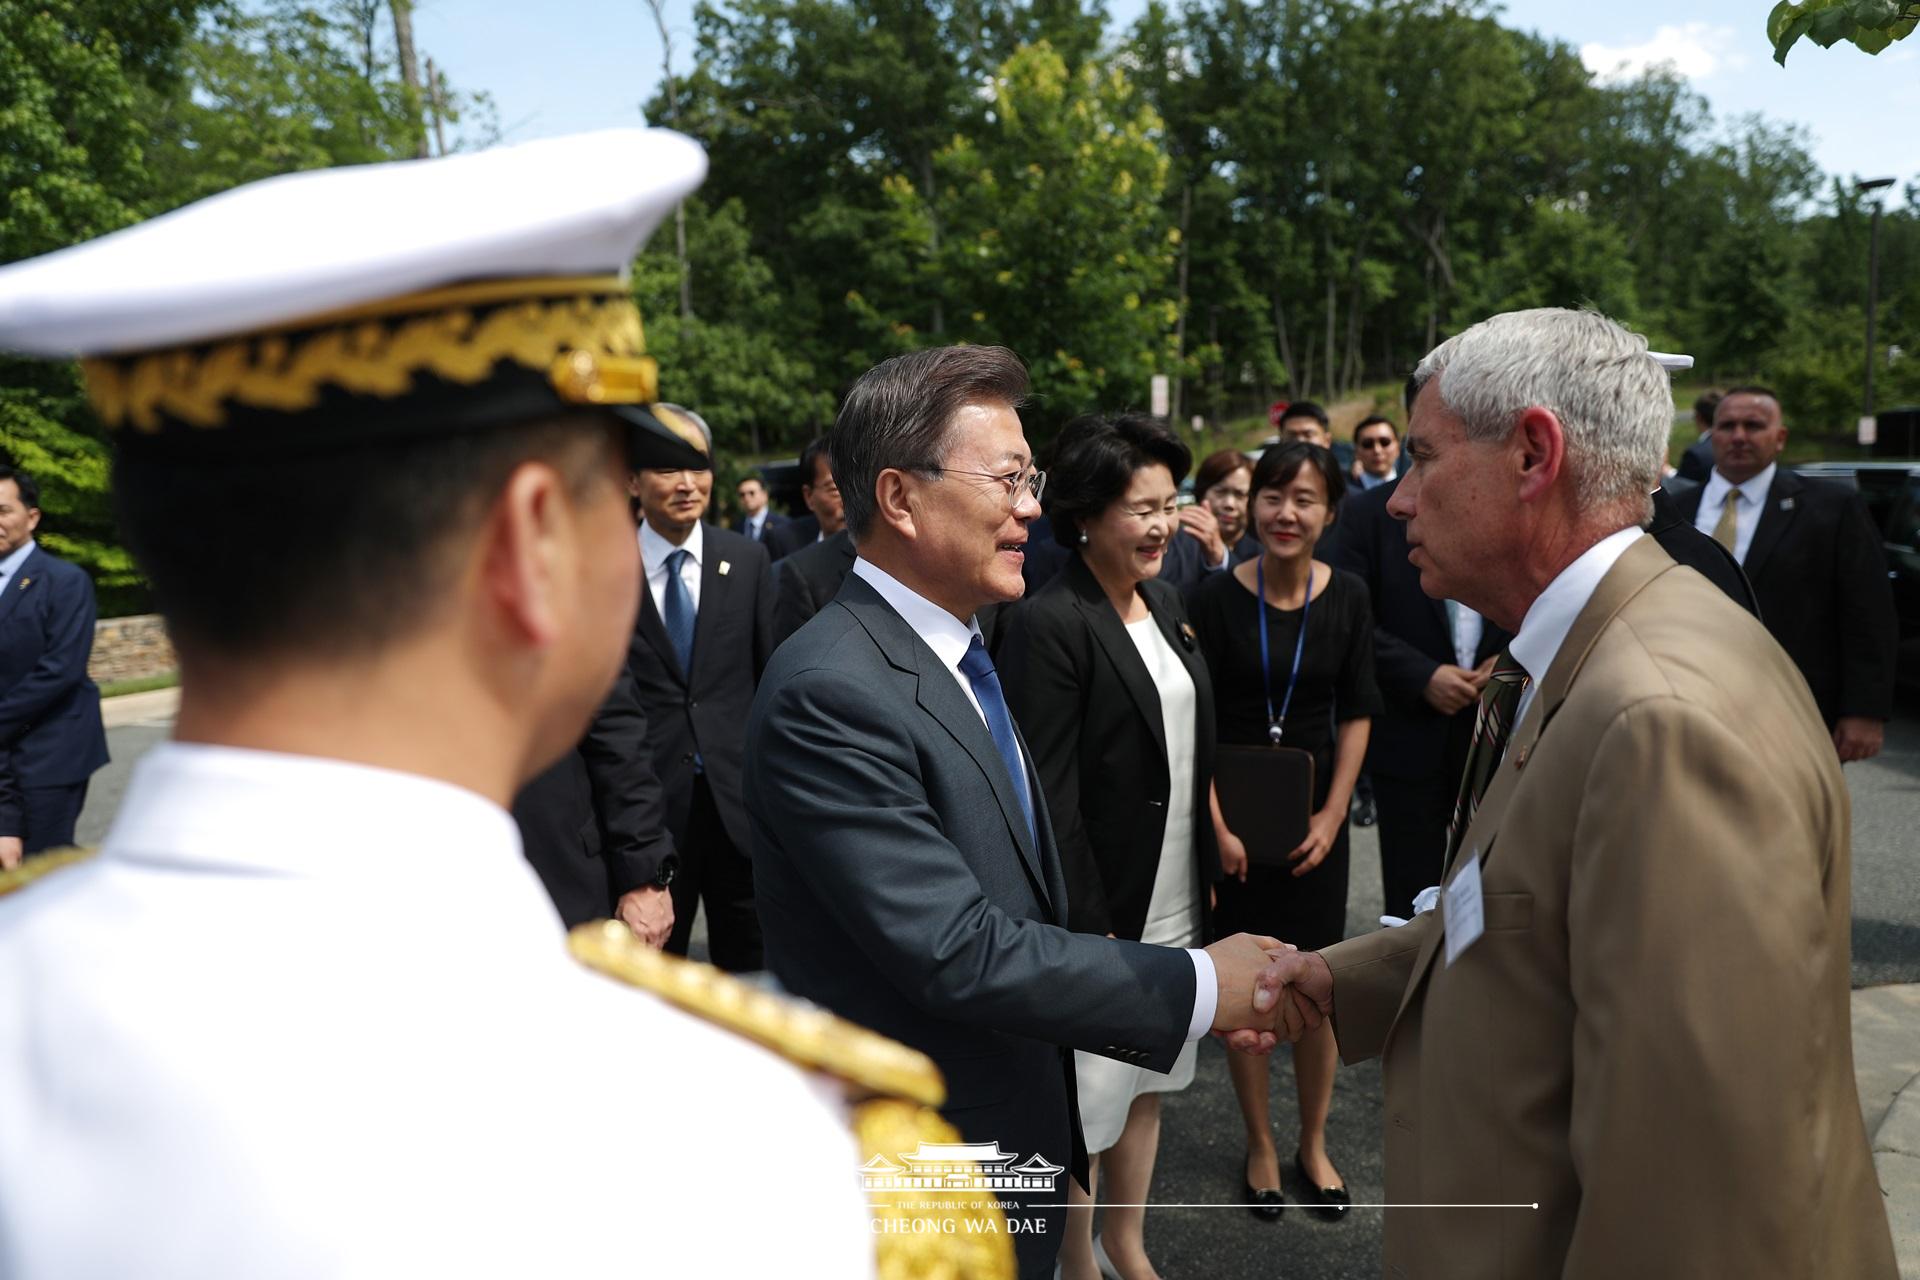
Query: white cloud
[[1695, 50]]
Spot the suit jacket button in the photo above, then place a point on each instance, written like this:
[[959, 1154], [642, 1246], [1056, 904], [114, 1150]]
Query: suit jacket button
[[687, 758]]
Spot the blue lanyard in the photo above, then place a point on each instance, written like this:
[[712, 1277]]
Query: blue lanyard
[[1276, 724]]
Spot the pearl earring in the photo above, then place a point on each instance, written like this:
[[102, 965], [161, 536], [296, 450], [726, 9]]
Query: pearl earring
[[1083, 537]]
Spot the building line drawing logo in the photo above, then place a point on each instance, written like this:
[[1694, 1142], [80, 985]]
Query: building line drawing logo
[[959, 1166]]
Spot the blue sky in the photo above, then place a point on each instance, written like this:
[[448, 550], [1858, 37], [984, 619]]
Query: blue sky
[[560, 66]]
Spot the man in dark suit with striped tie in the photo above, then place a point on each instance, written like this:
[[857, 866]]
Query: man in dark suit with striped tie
[[704, 634]]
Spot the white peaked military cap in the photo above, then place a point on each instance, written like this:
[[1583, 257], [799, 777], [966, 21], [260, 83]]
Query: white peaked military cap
[[1672, 363], [348, 305]]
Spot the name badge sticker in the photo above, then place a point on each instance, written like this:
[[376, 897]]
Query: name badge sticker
[[1465, 917]]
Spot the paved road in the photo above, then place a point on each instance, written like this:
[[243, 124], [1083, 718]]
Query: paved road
[[1200, 1160]]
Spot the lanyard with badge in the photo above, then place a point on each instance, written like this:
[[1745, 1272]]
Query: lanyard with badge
[[1266, 792]]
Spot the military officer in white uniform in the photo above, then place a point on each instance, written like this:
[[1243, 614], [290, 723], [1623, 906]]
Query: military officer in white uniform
[[307, 1012]]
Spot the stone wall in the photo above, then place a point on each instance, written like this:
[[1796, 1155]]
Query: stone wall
[[130, 649]]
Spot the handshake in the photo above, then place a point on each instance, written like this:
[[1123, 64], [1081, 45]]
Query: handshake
[[1268, 990]]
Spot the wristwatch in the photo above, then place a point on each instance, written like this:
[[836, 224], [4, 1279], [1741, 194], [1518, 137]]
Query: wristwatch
[[669, 868]]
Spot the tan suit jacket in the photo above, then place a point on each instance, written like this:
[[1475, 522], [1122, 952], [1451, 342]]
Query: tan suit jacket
[[1651, 1040]]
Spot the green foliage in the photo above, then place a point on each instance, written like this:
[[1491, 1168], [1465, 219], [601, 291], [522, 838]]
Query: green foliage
[[1871, 25], [112, 112], [1053, 242]]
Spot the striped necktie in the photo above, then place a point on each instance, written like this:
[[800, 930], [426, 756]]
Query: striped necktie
[[1492, 726]]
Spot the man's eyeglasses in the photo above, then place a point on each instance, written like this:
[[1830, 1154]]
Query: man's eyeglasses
[[1031, 481], [1376, 443]]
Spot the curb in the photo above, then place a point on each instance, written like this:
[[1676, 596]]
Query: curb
[[156, 706], [1896, 1160]]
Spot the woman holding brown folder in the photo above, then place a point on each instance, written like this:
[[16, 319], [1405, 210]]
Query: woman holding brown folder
[[1105, 677], [1289, 647]]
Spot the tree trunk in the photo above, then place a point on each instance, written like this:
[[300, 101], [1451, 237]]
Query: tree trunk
[[402, 11], [436, 107], [1180, 319], [679, 209], [1280, 337]]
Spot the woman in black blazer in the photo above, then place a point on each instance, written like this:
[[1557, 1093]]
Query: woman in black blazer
[[1105, 677]]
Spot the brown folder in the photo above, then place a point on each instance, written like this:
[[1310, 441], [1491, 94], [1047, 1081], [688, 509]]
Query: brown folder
[[1266, 796]]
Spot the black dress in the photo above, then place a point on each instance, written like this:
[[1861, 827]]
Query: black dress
[[1336, 685]]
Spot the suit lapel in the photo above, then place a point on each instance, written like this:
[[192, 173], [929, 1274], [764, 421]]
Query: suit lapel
[[26, 578], [1642, 562], [938, 693], [1111, 633], [715, 587], [654, 632], [1776, 513]]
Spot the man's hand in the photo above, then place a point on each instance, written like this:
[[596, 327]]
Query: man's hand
[[1450, 688], [1300, 984], [1858, 737], [1246, 1003], [648, 911], [12, 850], [1200, 522]]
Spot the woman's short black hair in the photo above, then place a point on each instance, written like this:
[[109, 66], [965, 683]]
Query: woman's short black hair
[[1098, 456], [1279, 465]]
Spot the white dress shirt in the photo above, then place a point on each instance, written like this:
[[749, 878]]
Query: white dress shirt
[[654, 551], [755, 523], [1746, 511], [1535, 645], [949, 639], [305, 1018], [1467, 627], [1368, 480]]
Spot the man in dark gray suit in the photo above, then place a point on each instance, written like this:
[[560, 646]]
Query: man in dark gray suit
[[906, 870]]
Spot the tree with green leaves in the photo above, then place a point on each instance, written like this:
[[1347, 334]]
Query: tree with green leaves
[[1871, 25]]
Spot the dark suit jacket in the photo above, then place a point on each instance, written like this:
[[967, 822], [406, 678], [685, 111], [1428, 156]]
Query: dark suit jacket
[[706, 714], [1092, 716], [773, 524], [807, 580], [1411, 638], [1696, 464], [49, 708], [898, 885], [801, 531], [594, 825], [1820, 576], [1688, 546]]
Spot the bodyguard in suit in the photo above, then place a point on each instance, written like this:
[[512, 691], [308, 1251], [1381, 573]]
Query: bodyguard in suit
[[594, 825], [1676, 535], [758, 520], [1431, 659], [704, 633], [1816, 565], [825, 516], [806, 580], [1696, 463], [51, 739], [1640, 1021], [905, 863]]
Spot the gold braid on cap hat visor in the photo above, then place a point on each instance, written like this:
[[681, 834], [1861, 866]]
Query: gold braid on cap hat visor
[[584, 334]]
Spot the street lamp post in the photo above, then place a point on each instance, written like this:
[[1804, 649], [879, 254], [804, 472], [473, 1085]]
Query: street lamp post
[[1873, 277]]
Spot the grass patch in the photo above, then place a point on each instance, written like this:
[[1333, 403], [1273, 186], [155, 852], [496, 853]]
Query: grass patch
[[145, 684]]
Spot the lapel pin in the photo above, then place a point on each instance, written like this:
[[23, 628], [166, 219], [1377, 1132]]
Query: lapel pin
[[724, 566], [25, 583], [1786, 504], [1187, 638]]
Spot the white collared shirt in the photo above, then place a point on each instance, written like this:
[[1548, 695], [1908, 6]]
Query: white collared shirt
[[654, 551], [1368, 480], [949, 638], [1746, 512], [15, 558], [1545, 627], [755, 523], [1467, 627], [307, 1018]]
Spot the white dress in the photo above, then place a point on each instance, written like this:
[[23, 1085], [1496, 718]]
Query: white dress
[[1107, 1087]]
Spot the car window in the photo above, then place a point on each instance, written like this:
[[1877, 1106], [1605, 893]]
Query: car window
[[1903, 527]]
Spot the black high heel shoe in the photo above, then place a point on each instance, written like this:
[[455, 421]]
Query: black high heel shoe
[[1333, 1201], [1265, 1202]]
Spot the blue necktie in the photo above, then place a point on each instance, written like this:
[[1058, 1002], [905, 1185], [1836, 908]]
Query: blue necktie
[[977, 667], [679, 611]]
